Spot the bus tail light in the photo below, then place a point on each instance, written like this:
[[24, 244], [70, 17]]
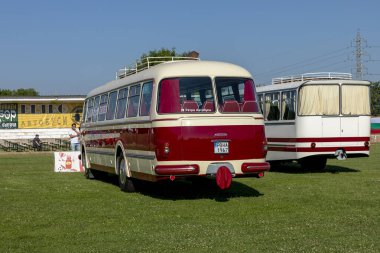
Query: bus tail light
[[173, 170], [166, 149], [366, 144], [255, 167], [312, 145], [265, 147]]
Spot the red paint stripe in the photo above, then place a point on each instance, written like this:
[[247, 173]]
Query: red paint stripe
[[320, 139], [321, 149], [375, 131]]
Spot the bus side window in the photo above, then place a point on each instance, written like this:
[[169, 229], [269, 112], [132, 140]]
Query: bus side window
[[96, 109], [121, 103], [111, 106], [90, 108], [103, 107], [288, 105], [133, 101], [272, 106], [146, 99]]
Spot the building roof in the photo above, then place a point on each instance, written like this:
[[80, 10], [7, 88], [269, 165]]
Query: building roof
[[59, 98]]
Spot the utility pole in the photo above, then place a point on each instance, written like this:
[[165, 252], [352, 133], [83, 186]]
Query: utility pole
[[358, 54]]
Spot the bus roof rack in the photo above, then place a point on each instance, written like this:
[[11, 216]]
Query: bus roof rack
[[149, 62], [312, 76]]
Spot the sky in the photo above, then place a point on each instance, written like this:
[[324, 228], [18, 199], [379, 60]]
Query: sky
[[70, 47]]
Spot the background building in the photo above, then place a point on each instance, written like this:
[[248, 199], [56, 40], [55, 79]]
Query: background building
[[48, 116]]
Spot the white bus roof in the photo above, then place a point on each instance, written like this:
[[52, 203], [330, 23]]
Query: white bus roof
[[324, 78], [176, 69]]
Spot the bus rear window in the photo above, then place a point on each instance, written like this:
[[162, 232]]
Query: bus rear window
[[236, 95], [319, 100], [355, 100], [186, 95]]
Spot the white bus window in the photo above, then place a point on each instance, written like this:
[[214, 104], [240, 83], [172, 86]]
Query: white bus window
[[111, 105], [103, 107], [121, 103], [186, 95], [133, 101], [288, 105], [96, 109], [90, 108], [319, 100], [355, 100], [146, 99], [236, 95], [272, 106]]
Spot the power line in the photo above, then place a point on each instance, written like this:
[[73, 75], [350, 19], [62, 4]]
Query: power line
[[301, 63]]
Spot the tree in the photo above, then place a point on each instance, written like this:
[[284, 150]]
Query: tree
[[163, 52], [19, 92], [375, 98]]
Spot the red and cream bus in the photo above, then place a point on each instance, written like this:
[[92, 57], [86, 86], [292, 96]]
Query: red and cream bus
[[177, 119], [315, 116]]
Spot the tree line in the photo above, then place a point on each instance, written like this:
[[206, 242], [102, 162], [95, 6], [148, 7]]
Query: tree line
[[19, 92]]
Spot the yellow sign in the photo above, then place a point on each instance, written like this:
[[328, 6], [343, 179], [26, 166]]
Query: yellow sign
[[61, 120]]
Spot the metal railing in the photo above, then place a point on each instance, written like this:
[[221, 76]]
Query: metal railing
[[149, 62], [312, 76]]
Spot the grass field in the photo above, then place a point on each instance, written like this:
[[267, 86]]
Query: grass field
[[291, 210]]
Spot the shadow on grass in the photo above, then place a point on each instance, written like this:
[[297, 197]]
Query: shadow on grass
[[185, 190], [294, 168]]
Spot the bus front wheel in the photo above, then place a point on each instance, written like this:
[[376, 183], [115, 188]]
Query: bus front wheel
[[125, 183]]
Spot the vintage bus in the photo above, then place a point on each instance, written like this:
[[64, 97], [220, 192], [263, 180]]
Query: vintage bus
[[178, 119], [315, 116]]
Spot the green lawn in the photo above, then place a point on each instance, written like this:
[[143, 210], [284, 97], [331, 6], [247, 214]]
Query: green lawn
[[291, 210]]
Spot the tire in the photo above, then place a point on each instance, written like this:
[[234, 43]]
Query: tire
[[125, 183], [87, 171], [315, 163]]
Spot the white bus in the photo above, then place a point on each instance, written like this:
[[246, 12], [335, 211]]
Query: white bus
[[316, 116], [177, 119]]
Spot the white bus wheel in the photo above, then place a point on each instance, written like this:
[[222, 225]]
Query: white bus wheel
[[313, 163]]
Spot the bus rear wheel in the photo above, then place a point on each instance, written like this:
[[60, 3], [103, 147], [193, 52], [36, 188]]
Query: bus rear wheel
[[125, 183], [314, 163]]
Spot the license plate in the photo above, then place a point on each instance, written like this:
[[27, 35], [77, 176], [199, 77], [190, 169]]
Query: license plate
[[221, 147]]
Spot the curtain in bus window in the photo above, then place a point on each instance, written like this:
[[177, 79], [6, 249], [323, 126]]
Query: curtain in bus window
[[169, 96], [250, 103], [249, 93], [355, 100], [285, 108], [268, 101], [319, 100]]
